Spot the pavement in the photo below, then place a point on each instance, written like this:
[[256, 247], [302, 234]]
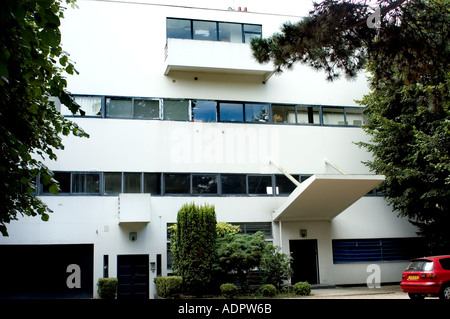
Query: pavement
[[358, 292]]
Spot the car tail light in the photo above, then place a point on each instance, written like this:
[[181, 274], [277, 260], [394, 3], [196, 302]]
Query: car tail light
[[428, 276]]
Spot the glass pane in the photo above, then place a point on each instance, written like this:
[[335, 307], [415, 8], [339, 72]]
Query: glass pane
[[256, 112], [113, 183], [204, 184], [152, 183], [231, 112], [333, 116], [204, 111], [146, 109], [230, 32], [177, 183], [249, 36], [204, 30], [253, 28], [283, 113], [86, 183], [91, 105], [284, 184], [63, 179], [260, 185], [132, 182], [233, 184], [179, 29], [355, 116], [176, 110], [308, 115], [119, 107]]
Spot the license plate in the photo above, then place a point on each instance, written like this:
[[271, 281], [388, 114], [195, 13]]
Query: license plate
[[413, 277]]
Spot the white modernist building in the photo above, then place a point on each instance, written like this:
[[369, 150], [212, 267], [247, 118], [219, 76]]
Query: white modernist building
[[178, 111]]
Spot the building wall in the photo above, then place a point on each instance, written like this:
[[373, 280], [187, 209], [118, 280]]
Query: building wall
[[119, 50]]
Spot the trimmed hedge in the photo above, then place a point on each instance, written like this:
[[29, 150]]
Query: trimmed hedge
[[228, 290], [168, 287], [268, 290], [107, 288], [302, 288]]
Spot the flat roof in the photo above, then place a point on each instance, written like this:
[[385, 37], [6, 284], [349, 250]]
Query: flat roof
[[324, 196]]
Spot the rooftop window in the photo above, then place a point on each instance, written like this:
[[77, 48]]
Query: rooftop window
[[212, 30]]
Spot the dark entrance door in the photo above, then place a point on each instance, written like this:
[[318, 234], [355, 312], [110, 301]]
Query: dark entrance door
[[133, 277], [305, 260]]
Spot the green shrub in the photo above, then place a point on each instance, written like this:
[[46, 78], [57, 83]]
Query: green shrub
[[107, 288], [168, 287], [302, 288], [268, 290], [228, 290]]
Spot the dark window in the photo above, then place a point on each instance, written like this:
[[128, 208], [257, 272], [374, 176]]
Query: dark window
[[152, 183], [231, 112], [132, 182], [112, 183], [372, 250], [256, 112], [63, 179], [204, 111], [445, 263], [86, 183], [119, 107], [259, 185], [179, 29], [204, 184], [284, 185], [234, 184], [251, 228], [177, 183]]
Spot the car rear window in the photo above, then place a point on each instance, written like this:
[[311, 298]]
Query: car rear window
[[445, 263], [420, 265]]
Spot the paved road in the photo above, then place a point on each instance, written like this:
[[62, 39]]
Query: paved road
[[384, 292]]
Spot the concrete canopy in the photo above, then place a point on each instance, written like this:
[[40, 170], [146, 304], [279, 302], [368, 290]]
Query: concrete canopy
[[323, 197]]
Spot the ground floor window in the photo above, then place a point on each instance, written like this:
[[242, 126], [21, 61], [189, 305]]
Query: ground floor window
[[375, 250]]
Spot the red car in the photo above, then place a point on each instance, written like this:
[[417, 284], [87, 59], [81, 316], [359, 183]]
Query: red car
[[427, 276]]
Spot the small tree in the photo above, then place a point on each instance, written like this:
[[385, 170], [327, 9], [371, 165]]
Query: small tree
[[276, 266], [194, 246], [239, 254]]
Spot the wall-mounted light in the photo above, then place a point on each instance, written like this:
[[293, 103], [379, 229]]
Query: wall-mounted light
[[152, 266], [133, 236], [303, 233]]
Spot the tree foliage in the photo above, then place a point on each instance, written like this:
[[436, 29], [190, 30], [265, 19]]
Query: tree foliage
[[194, 247], [408, 107], [32, 64]]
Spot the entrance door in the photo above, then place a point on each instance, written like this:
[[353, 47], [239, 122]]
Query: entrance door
[[133, 277], [305, 262]]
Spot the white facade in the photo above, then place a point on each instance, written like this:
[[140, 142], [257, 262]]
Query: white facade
[[120, 51]]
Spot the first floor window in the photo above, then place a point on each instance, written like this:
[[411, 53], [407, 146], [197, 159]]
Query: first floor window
[[132, 182], [119, 107], [176, 110], [204, 184], [234, 184], [112, 183], [177, 183], [86, 183]]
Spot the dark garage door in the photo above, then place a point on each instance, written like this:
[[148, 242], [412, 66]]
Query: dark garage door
[[133, 277], [41, 271]]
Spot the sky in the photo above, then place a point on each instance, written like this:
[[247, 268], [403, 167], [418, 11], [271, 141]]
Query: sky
[[287, 7]]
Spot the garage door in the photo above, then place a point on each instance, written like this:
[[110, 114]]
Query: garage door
[[46, 271]]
